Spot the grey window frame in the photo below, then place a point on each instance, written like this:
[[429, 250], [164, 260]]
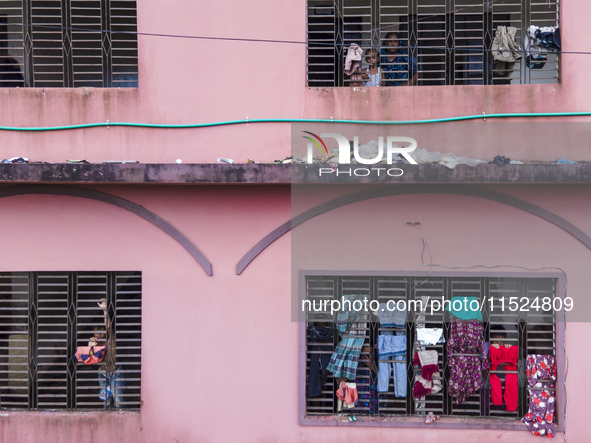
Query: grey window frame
[[69, 43], [449, 40], [45, 316], [403, 420]]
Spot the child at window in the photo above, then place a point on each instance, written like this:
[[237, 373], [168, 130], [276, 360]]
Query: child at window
[[372, 74]]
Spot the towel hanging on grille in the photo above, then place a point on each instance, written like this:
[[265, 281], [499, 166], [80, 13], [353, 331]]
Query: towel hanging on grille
[[89, 355], [353, 64], [504, 47], [428, 382], [427, 360]]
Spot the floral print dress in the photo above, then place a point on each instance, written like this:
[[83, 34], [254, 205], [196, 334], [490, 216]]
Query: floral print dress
[[466, 337], [541, 377]]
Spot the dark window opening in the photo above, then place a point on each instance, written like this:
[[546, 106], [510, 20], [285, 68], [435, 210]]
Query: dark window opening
[[449, 42], [46, 316], [69, 43]]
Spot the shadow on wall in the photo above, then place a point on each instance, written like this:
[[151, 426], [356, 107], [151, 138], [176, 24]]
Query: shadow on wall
[[11, 75]]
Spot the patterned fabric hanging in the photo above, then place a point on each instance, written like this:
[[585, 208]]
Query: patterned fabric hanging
[[541, 379]]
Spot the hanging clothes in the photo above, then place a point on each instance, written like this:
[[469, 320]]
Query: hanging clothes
[[353, 64], [347, 395], [504, 47], [420, 315], [318, 360], [429, 381], [89, 355], [367, 383], [392, 347], [507, 355], [505, 50], [541, 378], [391, 316], [464, 349], [430, 336], [345, 358], [427, 360], [367, 391], [538, 41], [462, 308]]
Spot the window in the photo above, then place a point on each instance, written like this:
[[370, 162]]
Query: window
[[448, 41], [534, 332], [45, 316], [68, 43]]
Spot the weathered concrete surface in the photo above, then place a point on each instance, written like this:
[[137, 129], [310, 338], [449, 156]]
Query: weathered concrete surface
[[161, 173], [165, 173], [70, 427], [434, 173]]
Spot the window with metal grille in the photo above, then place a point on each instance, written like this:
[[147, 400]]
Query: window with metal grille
[[68, 43], [448, 41], [45, 316], [535, 332]]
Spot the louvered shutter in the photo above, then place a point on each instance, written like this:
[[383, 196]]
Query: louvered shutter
[[45, 316]]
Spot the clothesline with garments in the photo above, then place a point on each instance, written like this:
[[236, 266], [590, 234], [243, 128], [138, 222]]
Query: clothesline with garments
[[469, 358]]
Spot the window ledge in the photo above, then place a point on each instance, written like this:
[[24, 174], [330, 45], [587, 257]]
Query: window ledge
[[416, 422], [428, 87], [90, 414]]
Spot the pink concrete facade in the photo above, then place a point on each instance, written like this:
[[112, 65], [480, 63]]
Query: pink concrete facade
[[220, 354], [248, 316], [184, 81]]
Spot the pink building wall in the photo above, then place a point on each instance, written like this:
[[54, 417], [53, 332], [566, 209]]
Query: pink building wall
[[185, 81], [220, 354]]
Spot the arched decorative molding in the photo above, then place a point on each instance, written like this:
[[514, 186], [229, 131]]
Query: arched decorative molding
[[134, 208], [390, 191]]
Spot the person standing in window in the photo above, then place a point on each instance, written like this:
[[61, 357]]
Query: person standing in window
[[111, 377], [396, 65]]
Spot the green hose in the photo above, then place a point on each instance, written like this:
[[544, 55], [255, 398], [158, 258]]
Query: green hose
[[296, 120]]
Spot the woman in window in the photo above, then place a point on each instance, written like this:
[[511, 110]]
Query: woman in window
[[396, 66]]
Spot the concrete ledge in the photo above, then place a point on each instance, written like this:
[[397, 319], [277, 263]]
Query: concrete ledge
[[286, 173], [135, 173], [435, 174]]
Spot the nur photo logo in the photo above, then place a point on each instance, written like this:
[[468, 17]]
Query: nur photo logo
[[391, 146]]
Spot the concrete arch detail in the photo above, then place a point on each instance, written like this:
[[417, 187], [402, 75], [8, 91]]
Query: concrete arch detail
[[134, 208], [390, 191]]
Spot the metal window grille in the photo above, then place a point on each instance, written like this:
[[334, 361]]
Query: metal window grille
[[68, 43], [45, 316], [449, 41], [534, 333]]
